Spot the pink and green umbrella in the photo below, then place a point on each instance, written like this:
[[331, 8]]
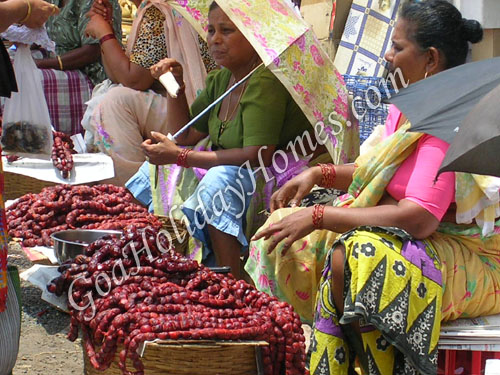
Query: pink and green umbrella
[[289, 48]]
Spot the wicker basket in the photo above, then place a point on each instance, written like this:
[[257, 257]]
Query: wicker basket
[[193, 358], [177, 231], [16, 185]]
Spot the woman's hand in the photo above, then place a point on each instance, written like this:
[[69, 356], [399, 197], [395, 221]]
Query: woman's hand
[[97, 26], [296, 189], [40, 13], [164, 151], [168, 65], [290, 229], [102, 8]]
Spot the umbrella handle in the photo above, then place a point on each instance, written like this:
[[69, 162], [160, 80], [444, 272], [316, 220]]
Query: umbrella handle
[[213, 104]]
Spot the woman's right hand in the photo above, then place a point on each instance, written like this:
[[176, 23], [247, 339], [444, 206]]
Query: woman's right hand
[[102, 8], [40, 13], [297, 188], [168, 65]]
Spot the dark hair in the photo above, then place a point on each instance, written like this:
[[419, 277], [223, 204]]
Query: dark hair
[[213, 6], [437, 23]]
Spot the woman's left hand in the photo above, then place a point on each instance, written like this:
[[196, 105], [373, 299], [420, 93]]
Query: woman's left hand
[[160, 150], [98, 27], [290, 229]]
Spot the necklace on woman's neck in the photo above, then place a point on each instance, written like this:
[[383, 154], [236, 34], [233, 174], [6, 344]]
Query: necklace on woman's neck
[[228, 116]]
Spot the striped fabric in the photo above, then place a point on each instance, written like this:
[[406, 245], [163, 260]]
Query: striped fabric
[[10, 328], [66, 93]]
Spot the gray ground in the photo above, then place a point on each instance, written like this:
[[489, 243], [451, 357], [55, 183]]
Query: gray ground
[[44, 348]]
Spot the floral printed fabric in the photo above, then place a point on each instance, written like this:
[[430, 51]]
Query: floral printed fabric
[[393, 288]]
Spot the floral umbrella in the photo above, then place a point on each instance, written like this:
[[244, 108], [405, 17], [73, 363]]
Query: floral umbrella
[[289, 48]]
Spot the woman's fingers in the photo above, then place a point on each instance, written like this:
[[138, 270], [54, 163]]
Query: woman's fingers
[[159, 137], [297, 198], [101, 10], [280, 198], [277, 238], [267, 232]]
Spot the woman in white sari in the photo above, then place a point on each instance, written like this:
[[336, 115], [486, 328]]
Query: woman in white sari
[[126, 108]]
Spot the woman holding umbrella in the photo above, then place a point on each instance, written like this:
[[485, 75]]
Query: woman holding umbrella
[[252, 122], [402, 264]]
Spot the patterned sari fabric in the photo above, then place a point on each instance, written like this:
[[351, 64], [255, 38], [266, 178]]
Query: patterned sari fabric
[[404, 312], [3, 246]]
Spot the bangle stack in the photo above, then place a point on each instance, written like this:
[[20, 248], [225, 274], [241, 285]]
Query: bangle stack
[[107, 37], [28, 14], [329, 174], [61, 67], [317, 216], [182, 158]]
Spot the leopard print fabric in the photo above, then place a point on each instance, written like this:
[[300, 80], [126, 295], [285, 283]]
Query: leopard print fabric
[[150, 46]]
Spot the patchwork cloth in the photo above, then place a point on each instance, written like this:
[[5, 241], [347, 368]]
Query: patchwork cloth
[[367, 37], [66, 93]]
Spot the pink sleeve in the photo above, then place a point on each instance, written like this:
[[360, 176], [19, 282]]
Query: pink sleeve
[[392, 120], [415, 178]]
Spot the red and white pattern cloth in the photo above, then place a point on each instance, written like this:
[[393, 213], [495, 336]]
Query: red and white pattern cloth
[[66, 93]]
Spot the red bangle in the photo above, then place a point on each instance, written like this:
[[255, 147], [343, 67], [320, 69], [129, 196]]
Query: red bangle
[[182, 158], [329, 174], [317, 216], [107, 37]]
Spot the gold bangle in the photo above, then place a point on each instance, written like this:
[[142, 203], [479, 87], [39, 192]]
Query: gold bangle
[[28, 15], [60, 62]]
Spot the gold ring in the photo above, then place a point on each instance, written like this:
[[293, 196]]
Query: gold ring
[[53, 8]]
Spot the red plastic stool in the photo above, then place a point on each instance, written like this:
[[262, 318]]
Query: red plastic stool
[[467, 362]]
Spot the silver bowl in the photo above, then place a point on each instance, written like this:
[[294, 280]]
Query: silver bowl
[[70, 243]]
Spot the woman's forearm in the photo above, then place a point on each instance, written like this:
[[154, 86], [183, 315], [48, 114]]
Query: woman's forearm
[[74, 59], [12, 11], [120, 70], [177, 117], [343, 176], [235, 156], [406, 215]]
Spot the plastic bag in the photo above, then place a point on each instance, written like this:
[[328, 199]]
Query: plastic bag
[[26, 125]]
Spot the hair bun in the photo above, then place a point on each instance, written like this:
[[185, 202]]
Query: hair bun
[[472, 30]]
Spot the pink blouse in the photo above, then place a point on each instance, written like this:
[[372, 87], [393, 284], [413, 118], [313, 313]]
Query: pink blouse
[[414, 179]]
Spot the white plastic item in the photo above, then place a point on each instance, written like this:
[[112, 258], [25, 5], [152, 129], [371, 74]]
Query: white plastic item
[[170, 83], [26, 121], [492, 367]]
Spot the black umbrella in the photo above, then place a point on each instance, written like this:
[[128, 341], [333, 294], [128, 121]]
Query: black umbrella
[[476, 147], [439, 104]]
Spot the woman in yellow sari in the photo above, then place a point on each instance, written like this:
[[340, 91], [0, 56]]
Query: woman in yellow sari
[[402, 264]]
